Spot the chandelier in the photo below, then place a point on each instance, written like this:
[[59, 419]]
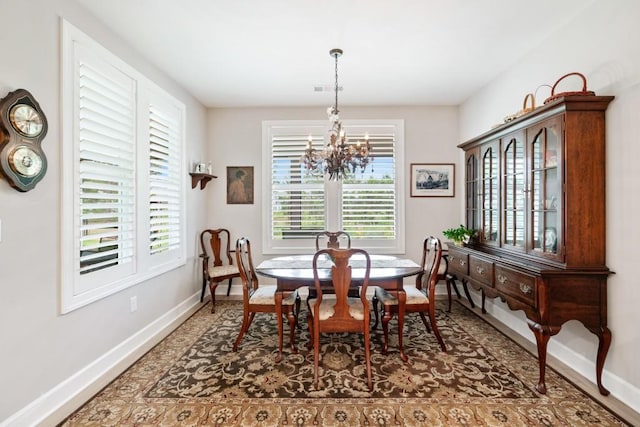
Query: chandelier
[[338, 158]]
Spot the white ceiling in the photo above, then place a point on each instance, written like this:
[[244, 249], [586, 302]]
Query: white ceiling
[[236, 53]]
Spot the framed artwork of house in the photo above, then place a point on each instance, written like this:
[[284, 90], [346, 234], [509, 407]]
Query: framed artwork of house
[[432, 180]]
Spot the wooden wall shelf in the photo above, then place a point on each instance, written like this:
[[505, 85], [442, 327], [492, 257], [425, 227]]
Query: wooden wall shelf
[[202, 178]]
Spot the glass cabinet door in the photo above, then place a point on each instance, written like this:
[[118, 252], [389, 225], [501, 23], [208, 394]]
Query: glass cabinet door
[[489, 192], [513, 175], [546, 187], [471, 189]]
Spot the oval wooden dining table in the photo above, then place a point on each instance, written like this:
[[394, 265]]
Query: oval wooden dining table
[[296, 271]]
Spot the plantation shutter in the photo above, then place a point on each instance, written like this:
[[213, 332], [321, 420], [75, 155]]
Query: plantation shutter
[[297, 199], [106, 156], [164, 179], [369, 198]]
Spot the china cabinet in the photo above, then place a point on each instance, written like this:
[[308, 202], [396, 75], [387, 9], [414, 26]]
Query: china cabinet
[[535, 191]]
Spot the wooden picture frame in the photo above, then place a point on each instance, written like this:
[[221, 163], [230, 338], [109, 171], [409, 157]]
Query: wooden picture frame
[[240, 185], [433, 179]]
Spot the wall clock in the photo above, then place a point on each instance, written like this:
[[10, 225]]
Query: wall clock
[[23, 126]]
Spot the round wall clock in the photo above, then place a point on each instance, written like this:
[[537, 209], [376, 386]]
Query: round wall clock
[[23, 126]]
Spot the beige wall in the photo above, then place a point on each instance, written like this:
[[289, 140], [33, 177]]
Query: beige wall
[[601, 44], [235, 138], [39, 348]]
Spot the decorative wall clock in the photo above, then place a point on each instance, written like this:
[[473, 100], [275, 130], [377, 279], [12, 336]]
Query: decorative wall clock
[[23, 126]]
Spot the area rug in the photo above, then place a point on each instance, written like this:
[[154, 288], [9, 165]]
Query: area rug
[[193, 378]]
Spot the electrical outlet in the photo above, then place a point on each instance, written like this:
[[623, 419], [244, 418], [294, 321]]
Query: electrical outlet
[[133, 304]]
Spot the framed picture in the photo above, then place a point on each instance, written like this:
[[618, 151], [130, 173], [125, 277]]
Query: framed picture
[[433, 179], [239, 185]]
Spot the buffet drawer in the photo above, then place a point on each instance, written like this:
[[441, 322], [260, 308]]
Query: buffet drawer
[[458, 262], [481, 270], [516, 284]]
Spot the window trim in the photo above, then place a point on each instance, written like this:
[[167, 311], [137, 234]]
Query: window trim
[[332, 199], [144, 265]]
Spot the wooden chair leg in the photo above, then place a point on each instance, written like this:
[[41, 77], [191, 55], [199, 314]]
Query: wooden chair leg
[[298, 302], [424, 320], [243, 329], [436, 332], [310, 329], [374, 303], [452, 281], [292, 328], [212, 289], [466, 292], [367, 356], [229, 287], [448, 294], [385, 329], [204, 288], [316, 356]]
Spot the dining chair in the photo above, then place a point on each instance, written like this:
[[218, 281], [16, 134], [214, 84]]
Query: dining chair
[[261, 299], [217, 263], [420, 298], [337, 312]]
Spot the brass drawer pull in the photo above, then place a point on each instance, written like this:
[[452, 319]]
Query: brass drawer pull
[[451, 258], [526, 289], [502, 279], [462, 262], [480, 270]]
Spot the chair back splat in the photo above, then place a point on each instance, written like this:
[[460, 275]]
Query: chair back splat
[[338, 312], [333, 239], [217, 262]]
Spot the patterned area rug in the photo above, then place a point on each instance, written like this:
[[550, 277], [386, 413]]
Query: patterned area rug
[[193, 378]]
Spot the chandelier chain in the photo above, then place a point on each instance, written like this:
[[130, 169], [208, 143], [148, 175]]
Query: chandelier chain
[[336, 54]]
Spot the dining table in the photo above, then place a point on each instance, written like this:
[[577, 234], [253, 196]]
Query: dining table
[[296, 271]]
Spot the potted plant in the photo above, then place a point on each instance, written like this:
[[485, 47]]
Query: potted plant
[[459, 235]]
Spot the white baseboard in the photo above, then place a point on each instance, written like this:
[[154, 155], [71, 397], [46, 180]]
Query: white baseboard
[[58, 403]]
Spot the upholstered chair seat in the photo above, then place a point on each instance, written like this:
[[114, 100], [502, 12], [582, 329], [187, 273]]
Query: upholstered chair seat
[[414, 296], [328, 304], [266, 295]]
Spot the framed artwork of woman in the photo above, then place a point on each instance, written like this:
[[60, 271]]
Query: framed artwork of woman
[[239, 185]]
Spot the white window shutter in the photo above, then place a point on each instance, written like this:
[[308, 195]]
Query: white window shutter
[[106, 156], [164, 179], [369, 203], [297, 199]]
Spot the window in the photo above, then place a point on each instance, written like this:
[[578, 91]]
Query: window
[[368, 205], [123, 183]]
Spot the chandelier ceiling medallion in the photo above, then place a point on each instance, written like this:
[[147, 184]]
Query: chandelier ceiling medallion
[[338, 158]]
